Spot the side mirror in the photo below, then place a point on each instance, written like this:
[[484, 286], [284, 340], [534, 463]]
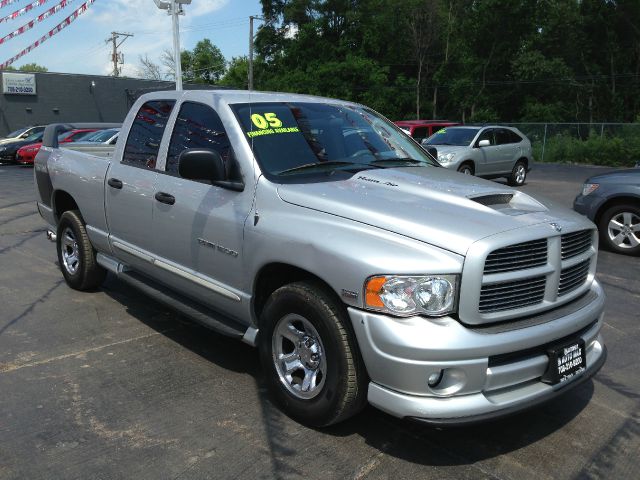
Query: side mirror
[[484, 143], [201, 164], [205, 164], [431, 150]]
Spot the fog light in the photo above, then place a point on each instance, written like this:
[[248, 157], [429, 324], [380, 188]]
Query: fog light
[[435, 379]]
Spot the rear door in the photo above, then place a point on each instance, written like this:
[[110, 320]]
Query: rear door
[[510, 149], [131, 185]]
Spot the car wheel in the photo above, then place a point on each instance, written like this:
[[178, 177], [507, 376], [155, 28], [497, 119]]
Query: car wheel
[[466, 168], [619, 228], [310, 356], [76, 255], [518, 174]]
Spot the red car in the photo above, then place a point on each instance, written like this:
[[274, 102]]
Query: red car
[[27, 154], [421, 129]]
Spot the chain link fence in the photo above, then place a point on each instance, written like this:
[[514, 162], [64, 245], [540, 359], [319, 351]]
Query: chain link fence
[[610, 144]]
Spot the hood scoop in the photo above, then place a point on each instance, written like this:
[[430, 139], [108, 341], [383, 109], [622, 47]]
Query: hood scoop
[[513, 204], [491, 200]]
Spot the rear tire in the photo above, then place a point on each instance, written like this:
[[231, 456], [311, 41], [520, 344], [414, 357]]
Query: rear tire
[[310, 356], [518, 174], [619, 228], [76, 255]]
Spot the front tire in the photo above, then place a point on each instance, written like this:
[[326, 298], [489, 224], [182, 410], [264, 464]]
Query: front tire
[[518, 174], [466, 169], [76, 255], [310, 356], [619, 228]]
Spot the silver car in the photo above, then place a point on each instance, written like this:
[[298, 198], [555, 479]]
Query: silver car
[[489, 152]]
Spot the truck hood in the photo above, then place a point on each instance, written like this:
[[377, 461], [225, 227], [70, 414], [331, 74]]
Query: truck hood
[[430, 204]]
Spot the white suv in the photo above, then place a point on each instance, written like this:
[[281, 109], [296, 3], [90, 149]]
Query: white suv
[[489, 152]]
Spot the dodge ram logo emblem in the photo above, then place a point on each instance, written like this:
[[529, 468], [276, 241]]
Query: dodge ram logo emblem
[[557, 227]]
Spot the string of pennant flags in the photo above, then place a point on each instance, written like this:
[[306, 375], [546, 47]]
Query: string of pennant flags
[[61, 26], [29, 25], [23, 10], [5, 3]]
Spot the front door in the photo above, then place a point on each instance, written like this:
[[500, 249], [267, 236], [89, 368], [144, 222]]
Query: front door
[[198, 230]]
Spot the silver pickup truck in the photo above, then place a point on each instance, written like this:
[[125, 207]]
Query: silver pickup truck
[[319, 232]]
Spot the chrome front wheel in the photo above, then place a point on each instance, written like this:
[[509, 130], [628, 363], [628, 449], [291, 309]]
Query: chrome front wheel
[[624, 230], [299, 356]]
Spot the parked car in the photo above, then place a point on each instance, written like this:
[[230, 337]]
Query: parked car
[[8, 150], [489, 152], [25, 155], [421, 129], [612, 202], [318, 232], [107, 136], [22, 134]]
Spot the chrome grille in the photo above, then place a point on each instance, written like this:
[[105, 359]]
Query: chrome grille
[[510, 295], [575, 243], [517, 257], [573, 277]]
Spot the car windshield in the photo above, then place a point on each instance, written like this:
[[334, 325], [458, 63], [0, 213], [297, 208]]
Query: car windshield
[[100, 136], [321, 138], [459, 136], [36, 137]]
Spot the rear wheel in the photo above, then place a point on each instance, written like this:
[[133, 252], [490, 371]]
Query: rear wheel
[[310, 356], [76, 255], [619, 228], [518, 174], [466, 168]]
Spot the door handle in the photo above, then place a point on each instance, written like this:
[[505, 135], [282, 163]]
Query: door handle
[[115, 183], [165, 198]]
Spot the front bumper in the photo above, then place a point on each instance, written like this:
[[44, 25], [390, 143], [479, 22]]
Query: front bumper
[[488, 372]]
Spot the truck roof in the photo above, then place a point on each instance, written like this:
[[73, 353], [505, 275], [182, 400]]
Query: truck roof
[[241, 96]]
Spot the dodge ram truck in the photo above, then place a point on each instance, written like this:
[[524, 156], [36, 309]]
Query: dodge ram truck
[[317, 231]]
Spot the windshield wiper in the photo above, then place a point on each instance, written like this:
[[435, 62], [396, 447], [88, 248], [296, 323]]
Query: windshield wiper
[[392, 162], [331, 163]]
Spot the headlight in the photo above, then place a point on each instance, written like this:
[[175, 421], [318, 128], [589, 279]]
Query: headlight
[[446, 157], [433, 295], [588, 188]]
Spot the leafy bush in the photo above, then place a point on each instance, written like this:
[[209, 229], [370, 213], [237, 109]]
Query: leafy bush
[[612, 151]]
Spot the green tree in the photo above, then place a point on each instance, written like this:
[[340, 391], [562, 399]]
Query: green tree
[[204, 64]]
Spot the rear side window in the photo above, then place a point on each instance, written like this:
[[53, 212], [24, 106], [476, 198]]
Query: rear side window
[[504, 136], [420, 133], [199, 126], [146, 133]]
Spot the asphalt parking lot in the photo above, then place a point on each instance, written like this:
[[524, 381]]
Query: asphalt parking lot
[[109, 385]]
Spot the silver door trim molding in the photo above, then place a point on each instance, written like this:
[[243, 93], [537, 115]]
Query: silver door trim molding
[[133, 251], [205, 282], [197, 279]]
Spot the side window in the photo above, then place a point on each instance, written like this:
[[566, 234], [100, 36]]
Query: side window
[[502, 136], [146, 133], [199, 126], [487, 135], [514, 137]]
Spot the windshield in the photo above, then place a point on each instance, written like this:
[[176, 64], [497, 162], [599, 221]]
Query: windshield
[[320, 138], [459, 136], [36, 137], [100, 135]]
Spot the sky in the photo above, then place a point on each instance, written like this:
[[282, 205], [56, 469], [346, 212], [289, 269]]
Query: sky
[[81, 46]]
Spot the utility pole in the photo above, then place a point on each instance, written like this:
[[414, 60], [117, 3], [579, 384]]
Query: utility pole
[[251, 19], [115, 57]]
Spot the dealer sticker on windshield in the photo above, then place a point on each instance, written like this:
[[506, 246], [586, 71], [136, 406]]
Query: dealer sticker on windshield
[[565, 362], [268, 124]]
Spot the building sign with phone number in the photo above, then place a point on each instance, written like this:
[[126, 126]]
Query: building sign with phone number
[[19, 84]]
